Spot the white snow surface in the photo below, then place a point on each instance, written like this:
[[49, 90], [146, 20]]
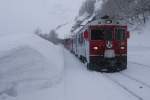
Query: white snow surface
[[27, 64], [139, 45], [33, 68]]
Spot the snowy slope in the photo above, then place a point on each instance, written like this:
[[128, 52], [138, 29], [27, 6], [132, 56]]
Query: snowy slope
[[29, 63]]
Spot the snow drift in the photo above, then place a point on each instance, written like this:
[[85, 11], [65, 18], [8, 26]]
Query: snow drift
[[28, 63]]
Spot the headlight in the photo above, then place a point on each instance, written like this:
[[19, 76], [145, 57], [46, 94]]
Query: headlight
[[122, 47], [95, 48]]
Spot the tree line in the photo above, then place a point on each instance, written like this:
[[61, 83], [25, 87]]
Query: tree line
[[52, 36], [133, 12]]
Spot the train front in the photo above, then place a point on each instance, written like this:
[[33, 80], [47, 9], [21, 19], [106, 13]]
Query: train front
[[108, 47]]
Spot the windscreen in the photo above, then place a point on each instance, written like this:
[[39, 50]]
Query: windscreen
[[120, 34], [101, 34]]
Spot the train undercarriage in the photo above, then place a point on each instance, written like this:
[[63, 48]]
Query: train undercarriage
[[101, 64]]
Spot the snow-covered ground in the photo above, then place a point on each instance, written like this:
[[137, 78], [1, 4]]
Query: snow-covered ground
[[29, 64], [139, 45], [81, 84], [33, 68]]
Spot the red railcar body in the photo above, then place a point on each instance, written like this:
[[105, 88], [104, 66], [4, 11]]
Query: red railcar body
[[101, 46]]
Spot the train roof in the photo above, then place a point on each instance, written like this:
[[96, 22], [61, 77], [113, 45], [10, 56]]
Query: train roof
[[106, 22]]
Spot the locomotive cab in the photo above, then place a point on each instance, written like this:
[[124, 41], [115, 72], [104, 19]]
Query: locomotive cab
[[107, 46], [101, 44]]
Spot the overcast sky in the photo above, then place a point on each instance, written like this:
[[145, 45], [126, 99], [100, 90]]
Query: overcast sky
[[24, 16]]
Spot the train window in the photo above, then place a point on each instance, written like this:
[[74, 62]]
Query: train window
[[97, 34], [80, 39], [120, 34], [103, 34], [108, 34]]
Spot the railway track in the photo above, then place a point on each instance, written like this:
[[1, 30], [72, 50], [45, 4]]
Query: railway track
[[124, 87], [141, 85], [134, 79], [138, 84], [139, 64]]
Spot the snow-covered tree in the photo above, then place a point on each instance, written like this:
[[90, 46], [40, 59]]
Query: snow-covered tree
[[87, 7], [53, 37], [38, 31], [130, 10]]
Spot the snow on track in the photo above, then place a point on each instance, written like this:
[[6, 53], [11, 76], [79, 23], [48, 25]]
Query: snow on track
[[139, 64], [134, 80], [81, 84], [124, 87], [139, 72], [134, 87]]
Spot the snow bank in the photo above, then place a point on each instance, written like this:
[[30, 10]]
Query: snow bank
[[139, 45], [28, 63]]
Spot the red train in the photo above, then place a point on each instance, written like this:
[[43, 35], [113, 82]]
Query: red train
[[101, 45]]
